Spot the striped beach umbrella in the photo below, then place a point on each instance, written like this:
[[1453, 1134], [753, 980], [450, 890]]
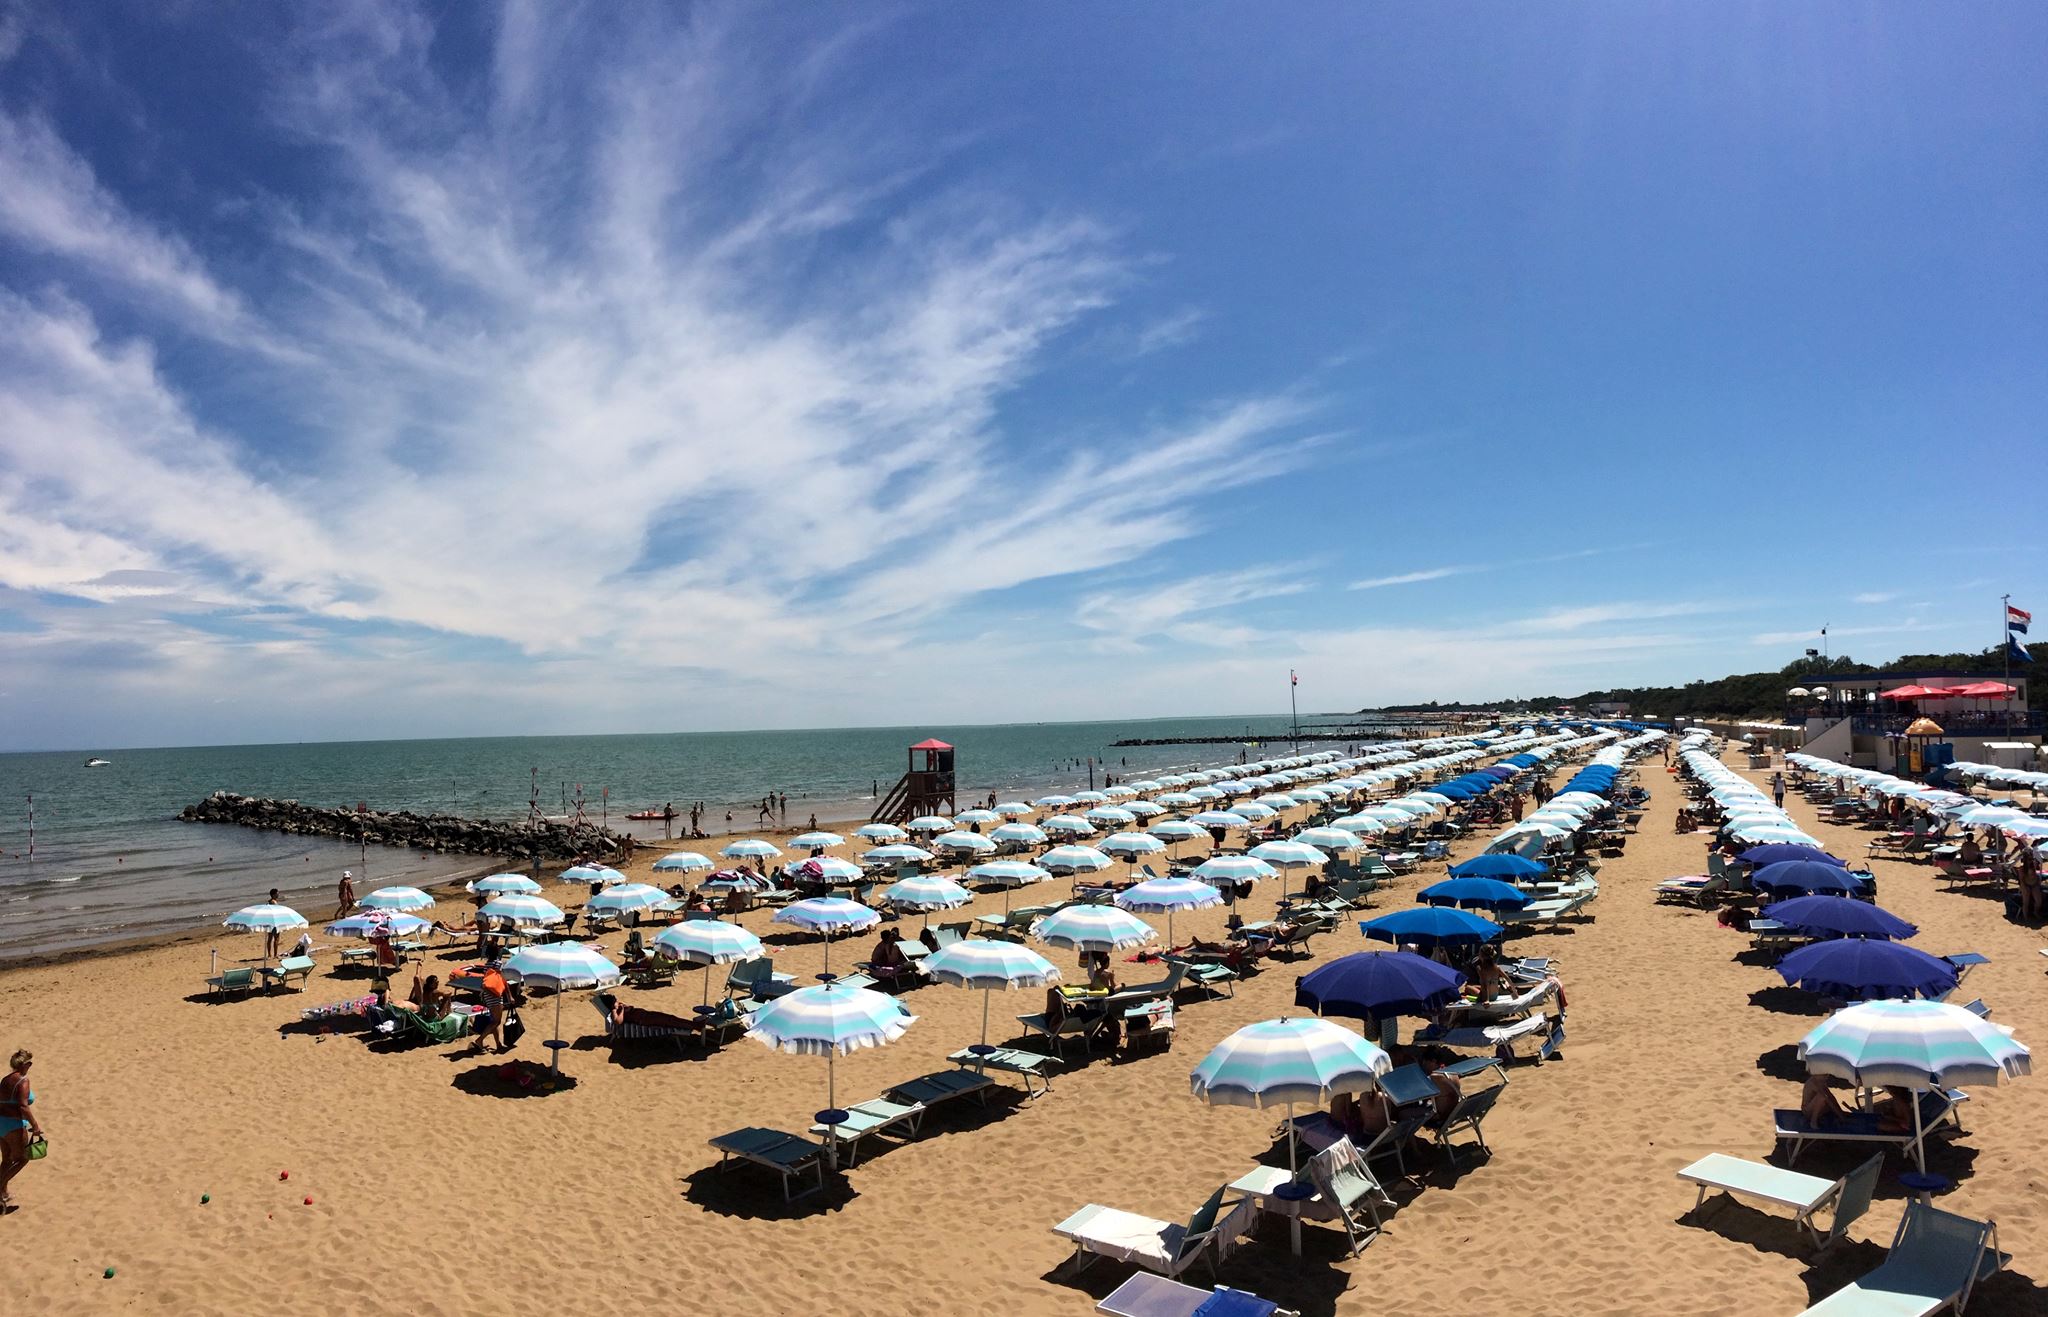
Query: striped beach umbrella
[[1168, 896], [1009, 873], [925, 895], [1028, 834], [1219, 818], [1069, 825], [558, 967], [1054, 801], [592, 873], [625, 898], [825, 869], [985, 966], [1130, 844], [1144, 809], [826, 916], [930, 823], [829, 1021], [1093, 928], [750, 848], [1110, 815], [1074, 860], [972, 817], [973, 843], [816, 841], [707, 942], [1220, 869], [499, 884], [1207, 792], [1913, 1044], [898, 853], [1328, 839], [522, 908], [880, 832], [1287, 855], [1091, 798], [396, 898], [1253, 810], [1013, 809], [264, 919], [1175, 830], [1178, 799]]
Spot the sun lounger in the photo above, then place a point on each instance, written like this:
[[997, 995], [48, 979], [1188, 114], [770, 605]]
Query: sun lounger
[[447, 1029], [651, 972], [876, 1116], [787, 1155], [1937, 1112], [291, 967], [1849, 1196], [1014, 925], [757, 978], [1071, 1025], [1009, 1060], [942, 1086], [235, 980], [1347, 1192], [644, 1025], [1147, 1295], [1499, 1039], [1555, 910], [1936, 1260], [1691, 891], [1218, 979], [1469, 1115], [1515, 1006], [1165, 1247]]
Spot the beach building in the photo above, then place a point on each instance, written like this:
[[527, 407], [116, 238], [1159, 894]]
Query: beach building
[[1910, 721]]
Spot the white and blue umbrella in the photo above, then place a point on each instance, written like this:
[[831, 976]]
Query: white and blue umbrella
[[1207, 792], [1028, 834], [924, 895], [1329, 839], [1091, 797], [971, 817], [1110, 815], [750, 848], [378, 923], [683, 862], [522, 908], [1178, 799], [930, 823], [1175, 830], [825, 869], [828, 915], [1054, 801], [816, 841], [1219, 818], [1286, 855], [1277, 800], [1144, 809], [830, 1020], [1218, 869], [898, 853], [1359, 824], [1093, 928], [986, 966], [880, 832], [264, 919], [396, 898], [1253, 810], [1013, 809], [1069, 825], [592, 873], [1074, 860], [1008, 873], [559, 967], [499, 884], [1130, 844], [1283, 1062], [707, 942], [971, 842], [625, 898], [1168, 896]]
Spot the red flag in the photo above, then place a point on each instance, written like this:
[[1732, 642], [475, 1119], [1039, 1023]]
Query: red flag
[[1292, 679]]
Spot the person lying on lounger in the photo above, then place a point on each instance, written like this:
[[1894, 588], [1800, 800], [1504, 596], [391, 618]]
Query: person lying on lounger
[[429, 998], [1361, 1121], [1895, 1111], [1818, 1105]]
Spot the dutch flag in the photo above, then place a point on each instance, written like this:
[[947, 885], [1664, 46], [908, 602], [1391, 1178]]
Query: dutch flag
[[2016, 619]]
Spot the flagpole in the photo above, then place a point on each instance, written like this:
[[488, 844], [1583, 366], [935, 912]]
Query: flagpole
[[1293, 711], [2005, 651]]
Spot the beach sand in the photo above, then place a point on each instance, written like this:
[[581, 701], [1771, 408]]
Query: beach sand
[[434, 1192]]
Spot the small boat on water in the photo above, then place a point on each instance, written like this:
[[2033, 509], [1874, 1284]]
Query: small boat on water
[[101, 763], [647, 814]]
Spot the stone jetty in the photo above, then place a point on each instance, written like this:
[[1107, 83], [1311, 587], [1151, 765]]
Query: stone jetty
[[421, 832]]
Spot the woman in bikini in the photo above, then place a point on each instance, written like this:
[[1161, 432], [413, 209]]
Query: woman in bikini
[[18, 1123]]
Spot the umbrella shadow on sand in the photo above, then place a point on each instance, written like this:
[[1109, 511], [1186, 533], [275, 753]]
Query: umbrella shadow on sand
[[1783, 1062], [752, 1194], [512, 1079], [1263, 1265], [1785, 999]]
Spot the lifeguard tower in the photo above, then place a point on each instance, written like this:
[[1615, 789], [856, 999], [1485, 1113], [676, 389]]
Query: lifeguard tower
[[926, 788]]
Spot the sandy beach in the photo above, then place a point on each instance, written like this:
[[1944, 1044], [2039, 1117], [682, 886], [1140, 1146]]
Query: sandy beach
[[434, 1190]]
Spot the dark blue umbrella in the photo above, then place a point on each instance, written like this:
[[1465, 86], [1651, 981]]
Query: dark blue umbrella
[[1378, 985], [1780, 851], [1474, 894], [1503, 865], [1802, 876], [1838, 916], [1431, 926], [1859, 969]]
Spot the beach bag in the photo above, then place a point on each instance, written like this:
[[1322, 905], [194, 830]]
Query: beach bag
[[515, 1029], [38, 1148]]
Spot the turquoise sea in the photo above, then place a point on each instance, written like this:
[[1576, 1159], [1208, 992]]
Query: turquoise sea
[[111, 861]]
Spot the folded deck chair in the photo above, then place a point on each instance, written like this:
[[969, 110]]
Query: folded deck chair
[[1937, 1113], [1804, 1194], [875, 1116], [1470, 1115], [1347, 1192], [1027, 1066], [1147, 1295], [1936, 1259], [234, 980], [787, 1155], [942, 1086], [1166, 1247]]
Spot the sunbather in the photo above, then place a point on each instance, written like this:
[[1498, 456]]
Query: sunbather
[[1362, 1121], [1895, 1111], [635, 950], [888, 954], [429, 998], [1818, 1105]]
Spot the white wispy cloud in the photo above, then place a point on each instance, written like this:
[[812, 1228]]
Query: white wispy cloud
[[1812, 634], [1875, 597], [1412, 578]]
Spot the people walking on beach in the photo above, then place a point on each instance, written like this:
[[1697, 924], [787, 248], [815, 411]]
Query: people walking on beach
[[18, 1124], [345, 895], [1778, 790], [270, 934]]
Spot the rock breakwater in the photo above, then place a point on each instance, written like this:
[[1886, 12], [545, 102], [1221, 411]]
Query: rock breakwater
[[425, 832]]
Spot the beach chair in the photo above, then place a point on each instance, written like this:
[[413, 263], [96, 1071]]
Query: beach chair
[[789, 1156], [942, 1086], [1804, 1194], [1935, 1262], [234, 981], [876, 1116], [644, 1026], [1071, 1025], [1166, 1247], [1027, 1066], [1144, 994], [1347, 1191], [291, 967], [1372, 866], [651, 972], [1937, 1113], [757, 978], [947, 935], [447, 1029], [1470, 1115], [1555, 910], [726, 1019], [1691, 891], [1217, 979], [1147, 1295]]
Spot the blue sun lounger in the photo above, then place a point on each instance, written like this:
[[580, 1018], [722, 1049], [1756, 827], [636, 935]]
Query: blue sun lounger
[[1936, 1260]]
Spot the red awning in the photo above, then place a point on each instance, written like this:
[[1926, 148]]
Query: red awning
[[1984, 690], [933, 744], [1912, 693]]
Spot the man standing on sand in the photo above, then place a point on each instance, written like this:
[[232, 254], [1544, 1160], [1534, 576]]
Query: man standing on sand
[[345, 895], [1778, 790]]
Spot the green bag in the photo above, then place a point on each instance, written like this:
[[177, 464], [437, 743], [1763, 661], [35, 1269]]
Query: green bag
[[38, 1148]]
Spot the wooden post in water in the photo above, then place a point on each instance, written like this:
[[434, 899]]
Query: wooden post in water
[[31, 826]]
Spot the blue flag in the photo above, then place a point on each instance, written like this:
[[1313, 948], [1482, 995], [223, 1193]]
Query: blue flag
[[2016, 649]]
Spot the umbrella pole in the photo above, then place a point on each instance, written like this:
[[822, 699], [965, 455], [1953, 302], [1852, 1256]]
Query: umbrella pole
[[1294, 1216], [1919, 1136], [556, 1060]]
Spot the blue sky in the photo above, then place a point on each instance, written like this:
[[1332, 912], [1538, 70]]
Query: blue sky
[[471, 369]]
